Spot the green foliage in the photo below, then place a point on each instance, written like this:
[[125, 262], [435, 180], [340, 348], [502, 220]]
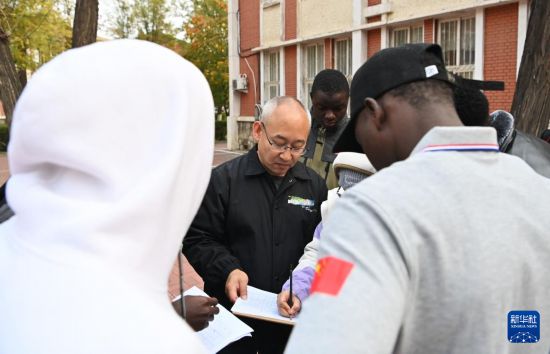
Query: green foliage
[[122, 22], [205, 38], [38, 30], [150, 20], [221, 130], [4, 137], [206, 46]]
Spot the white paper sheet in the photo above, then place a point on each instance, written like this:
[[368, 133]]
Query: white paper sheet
[[260, 304], [223, 330]]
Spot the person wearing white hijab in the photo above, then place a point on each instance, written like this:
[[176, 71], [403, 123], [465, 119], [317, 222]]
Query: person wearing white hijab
[[110, 155]]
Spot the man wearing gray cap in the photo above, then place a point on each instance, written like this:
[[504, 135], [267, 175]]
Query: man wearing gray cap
[[446, 248]]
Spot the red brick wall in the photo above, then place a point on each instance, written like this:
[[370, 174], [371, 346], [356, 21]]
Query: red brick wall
[[429, 31], [250, 24], [374, 40], [500, 52], [291, 88], [328, 53], [290, 19], [376, 18], [250, 38], [249, 99]]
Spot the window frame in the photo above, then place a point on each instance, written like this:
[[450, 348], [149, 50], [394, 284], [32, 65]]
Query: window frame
[[349, 52], [409, 30], [458, 67], [306, 80], [270, 82]]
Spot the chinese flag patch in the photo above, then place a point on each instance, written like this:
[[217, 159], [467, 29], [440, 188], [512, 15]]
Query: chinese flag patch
[[330, 274]]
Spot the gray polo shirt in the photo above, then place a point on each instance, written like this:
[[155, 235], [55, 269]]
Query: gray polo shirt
[[443, 246]]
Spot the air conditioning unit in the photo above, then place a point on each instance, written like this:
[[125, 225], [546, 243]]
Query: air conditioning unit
[[241, 83]]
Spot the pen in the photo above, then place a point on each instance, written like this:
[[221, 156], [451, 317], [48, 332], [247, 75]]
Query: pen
[[290, 302]]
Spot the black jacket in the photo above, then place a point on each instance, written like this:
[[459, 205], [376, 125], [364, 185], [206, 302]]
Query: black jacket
[[533, 150], [5, 210], [529, 148], [244, 222], [330, 139]]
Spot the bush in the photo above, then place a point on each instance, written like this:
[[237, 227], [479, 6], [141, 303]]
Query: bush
[[221, 129], [4, 137]]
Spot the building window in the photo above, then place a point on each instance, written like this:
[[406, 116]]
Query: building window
[[342, 56], [404, 35], [417, 34], [271, 75], [313, 62], [457, 40]]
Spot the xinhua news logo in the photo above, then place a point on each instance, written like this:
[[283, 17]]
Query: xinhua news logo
[[523, 327]]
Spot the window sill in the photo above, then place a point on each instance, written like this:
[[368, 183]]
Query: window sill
[[270, 3]]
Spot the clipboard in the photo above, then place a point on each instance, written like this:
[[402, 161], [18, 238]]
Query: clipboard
[[260, 305]]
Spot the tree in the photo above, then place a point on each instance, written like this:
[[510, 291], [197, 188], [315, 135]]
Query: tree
[[205, 34], [85, 22], [36, 29], [32, 32], [206, 37], [531, 106], [122, 21], [10, 86], [151, 19]]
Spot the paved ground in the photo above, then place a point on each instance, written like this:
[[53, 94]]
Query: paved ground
[[190, 277], [221, 155], [4, 170]]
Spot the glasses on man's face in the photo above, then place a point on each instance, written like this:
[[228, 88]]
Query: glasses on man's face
[[282, 148]]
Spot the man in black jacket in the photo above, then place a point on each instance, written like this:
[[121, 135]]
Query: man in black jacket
[[259, 212]]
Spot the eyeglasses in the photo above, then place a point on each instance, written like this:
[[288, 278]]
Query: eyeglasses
[[282, 148]]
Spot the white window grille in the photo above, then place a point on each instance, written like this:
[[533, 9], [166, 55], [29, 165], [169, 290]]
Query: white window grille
[[342, 57], [457, 40], [313, 62], [271, 75], [409, 34], [400, 36], [417, 34]]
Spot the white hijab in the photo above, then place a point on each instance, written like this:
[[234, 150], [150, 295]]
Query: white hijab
[[110, 155]]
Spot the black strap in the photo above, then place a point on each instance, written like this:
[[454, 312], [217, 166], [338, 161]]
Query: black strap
[[482, 85]]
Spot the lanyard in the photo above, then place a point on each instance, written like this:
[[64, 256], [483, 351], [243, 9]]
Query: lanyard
[[461, 147]]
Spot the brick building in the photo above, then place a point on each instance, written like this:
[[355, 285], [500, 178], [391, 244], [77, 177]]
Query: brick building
[[277, 47]]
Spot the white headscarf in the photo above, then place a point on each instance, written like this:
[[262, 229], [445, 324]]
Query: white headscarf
[[110, 155]]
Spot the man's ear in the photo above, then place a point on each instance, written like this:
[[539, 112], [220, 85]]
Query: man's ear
[[256, 131], [375, 112]]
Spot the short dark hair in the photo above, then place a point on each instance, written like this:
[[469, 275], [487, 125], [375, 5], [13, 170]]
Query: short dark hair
[[471, 105], [330, 81], [420, 93]]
